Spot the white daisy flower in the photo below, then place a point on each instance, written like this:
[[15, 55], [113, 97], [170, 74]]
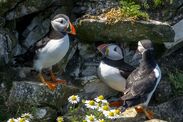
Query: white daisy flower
[[27, 116], [74, 99], [91, 104], [117, 113], [109, 114], [90, 118], [100, 99], [104, 108], [12, 120]]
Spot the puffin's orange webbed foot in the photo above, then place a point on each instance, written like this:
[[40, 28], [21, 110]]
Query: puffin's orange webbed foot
[[54, 79], [139, 109], [51, 86], [149, 114]]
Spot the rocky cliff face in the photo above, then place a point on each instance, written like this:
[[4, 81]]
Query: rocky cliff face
[[23, 22]]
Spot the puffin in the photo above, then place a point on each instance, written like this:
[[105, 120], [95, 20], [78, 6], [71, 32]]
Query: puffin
[[49, 50], [112, 69], [143, 81]]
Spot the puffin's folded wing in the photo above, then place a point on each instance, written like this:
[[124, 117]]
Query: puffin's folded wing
[[26, 59], [140, 87], [126, 70]]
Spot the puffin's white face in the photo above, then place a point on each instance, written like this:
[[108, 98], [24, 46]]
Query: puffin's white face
[[60, 24], [111, 51], [140, 48]]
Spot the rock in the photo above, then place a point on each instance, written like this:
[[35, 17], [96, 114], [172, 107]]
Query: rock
[[95, 7], [6, 5], [7, 42], [94, 87], [171, 110], [26, 7], [2, 21], [178, 39], [163, 91], [155, 120], [38, 28], [130, 115], [90, 30], [44, 114], [86, 50], [36, 94], [85, 62]]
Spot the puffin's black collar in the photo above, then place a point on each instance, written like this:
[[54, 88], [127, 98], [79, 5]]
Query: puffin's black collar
[[114, 63]]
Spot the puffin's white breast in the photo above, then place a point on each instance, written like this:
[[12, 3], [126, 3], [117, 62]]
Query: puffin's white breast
[[52, 53], [111, 76]]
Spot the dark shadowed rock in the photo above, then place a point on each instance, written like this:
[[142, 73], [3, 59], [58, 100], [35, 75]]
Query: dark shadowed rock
[[26, 7], [163, 91], [38, 28], [171, 110], [37, 94], [7, 42]]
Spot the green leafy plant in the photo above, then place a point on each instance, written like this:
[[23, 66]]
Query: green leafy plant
[[161, 2], [128, 10], [131, 9], [176, 79]]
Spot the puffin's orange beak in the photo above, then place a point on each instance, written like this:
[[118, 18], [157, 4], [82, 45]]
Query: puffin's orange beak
[[102, 48], [72, 29]]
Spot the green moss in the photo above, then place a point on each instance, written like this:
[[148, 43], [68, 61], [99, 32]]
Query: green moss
[[176, 79], [122, 31], [5, 5]]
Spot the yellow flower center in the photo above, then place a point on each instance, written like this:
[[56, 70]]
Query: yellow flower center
[[105, 107], [92, 103], [22, 120], [11, 120], [117, 111], [101, 97], [111, 113], [60, 119], [91, 118], [74, 98], [101, 120]]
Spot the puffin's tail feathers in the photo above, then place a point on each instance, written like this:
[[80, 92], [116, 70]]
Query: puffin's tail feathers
[[25, 59]]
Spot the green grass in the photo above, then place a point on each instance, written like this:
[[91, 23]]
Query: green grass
[[176, 79]]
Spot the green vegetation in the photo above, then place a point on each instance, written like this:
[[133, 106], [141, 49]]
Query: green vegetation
[[161, 2], [176, 79], [130, 9], [156, 3]]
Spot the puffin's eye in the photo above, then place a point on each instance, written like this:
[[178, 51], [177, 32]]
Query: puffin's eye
[[61, 21], [115, 49]]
